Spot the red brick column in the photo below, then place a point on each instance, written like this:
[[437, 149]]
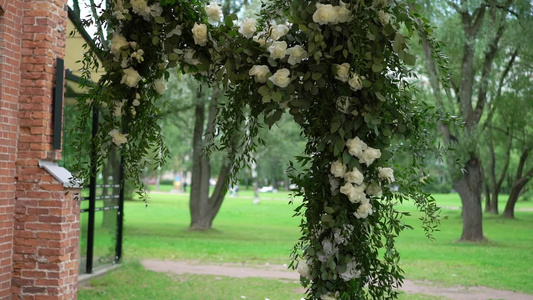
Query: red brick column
[[46, 229], [10, 42]]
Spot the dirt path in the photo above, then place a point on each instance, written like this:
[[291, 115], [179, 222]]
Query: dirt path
[[281, 272]]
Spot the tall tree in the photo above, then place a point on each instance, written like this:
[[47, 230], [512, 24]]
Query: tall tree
[[483, 25], [205, 207]]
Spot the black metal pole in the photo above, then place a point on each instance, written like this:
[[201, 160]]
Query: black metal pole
[[120, 212], [92, 197]]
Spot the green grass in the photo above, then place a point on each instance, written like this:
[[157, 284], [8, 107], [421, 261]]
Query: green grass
[[266, 233]]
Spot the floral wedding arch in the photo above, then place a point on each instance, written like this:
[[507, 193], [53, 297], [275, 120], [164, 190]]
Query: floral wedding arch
[[339, 69]]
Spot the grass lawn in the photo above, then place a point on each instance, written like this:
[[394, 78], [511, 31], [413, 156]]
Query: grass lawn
[[266, 233]]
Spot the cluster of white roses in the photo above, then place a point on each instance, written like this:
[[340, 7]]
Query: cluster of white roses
[[344, 74], [127, 52], [329, 14], [278, 50], [355, 188]]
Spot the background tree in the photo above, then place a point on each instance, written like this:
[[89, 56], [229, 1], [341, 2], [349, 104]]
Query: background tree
[[473, 56]]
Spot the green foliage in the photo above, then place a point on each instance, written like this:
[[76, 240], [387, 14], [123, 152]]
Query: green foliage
[[373, 102]]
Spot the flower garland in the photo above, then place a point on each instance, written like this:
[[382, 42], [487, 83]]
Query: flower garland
[[337, 67]]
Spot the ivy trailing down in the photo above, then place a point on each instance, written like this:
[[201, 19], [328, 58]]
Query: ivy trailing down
[[340, 69]]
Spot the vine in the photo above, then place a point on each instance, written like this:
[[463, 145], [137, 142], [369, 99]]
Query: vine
[[338, 68]]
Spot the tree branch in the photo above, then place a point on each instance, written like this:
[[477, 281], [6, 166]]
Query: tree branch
[[521, 164], [490, 54], [500, 86]]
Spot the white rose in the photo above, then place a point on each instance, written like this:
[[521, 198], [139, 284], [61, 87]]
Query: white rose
[[117, 111], [364, 210], [277, 31], [351, 271], [386, 173], [347, 189], [137, 101], [324, 14], [199, 32], [160, 86], [327, 297], [357, 194], [338, 169], [141, 8], [355, 176], [383, 17], [138, 55], [260, 38], [304, 270], [296, 54], [156, 10], [188, 57], [248, 27], [278, 50], [214, 12], [342, 72], [118, 138], [343, 13], [355, 83], [369, 156], [131, 77], [374, 189], [260, 72], [117, 43], [356, 146], [334, 182], [281, 78]]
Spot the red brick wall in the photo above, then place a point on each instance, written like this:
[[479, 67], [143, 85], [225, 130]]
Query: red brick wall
[[39, 222], [10, 42]]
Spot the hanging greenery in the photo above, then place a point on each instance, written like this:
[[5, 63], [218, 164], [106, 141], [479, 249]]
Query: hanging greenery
[[338, 68]]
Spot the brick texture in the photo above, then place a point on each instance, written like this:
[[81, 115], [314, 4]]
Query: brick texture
[[39, 221], [10, 56]]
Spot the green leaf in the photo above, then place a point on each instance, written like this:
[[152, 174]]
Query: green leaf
[[263, 90], [160, 20], [346, 157], [377, 68], [316, 76], [173, 57], [409, 59], [380, 97], [276, 96], [335, 126]]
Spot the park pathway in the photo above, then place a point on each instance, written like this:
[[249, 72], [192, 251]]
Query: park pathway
[[281, 272]]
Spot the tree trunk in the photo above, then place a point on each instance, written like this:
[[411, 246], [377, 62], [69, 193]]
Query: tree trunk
[[488, 202], [203, 208], [519, 183], [496, 183], [199, 196], [469, 188]]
